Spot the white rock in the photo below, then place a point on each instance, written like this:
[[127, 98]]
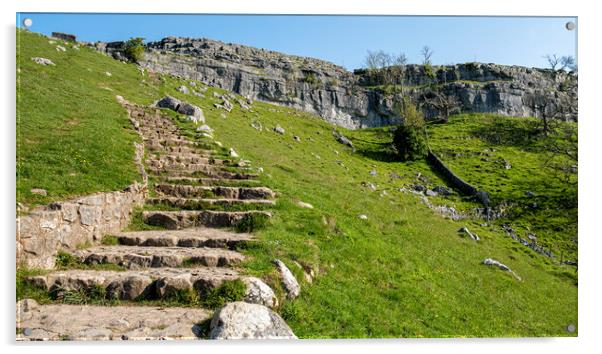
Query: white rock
[[363, 216], [257, 125], [183, 89], [259, 292], [493, 262], [470, 234], [233, 153], [196, 119], [241, 320], [304, 205], [60, 48], [204, 128], [278, 129], [108, 73], [42, 61], [291, 285]]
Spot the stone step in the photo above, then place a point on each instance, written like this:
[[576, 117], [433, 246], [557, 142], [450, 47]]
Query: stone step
[[86, 322], [198, 163], [187, 191], [192, 218], [210, 181], [180, 150], [185, 159], [204, 166], [147, 284], [134, 257], [200, 171], [193, 237], [170, 142], [148, 130], [205, 203]]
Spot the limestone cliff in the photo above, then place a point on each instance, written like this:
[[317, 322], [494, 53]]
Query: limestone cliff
[[349, 99]]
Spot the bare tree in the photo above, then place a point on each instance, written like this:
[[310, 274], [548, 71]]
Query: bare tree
[[553, 61], [568, 62], [427, 54], [371, 60], [400, 60], [442, 103]]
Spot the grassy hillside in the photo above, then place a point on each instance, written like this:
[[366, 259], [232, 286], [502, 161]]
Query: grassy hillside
[[402, 272], [73, 137], [511, 160]]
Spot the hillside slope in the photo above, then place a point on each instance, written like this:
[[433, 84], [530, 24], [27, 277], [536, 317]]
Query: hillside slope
[[403, 271]]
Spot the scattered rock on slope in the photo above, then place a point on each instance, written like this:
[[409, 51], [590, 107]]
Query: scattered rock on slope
[[278, 129], [342, 139], [192, 111], [465, 230], [241, 320], [169, 102], [444, 191], [493, 262], [305, 205], [288, 280], [42, 61], [183, 89]]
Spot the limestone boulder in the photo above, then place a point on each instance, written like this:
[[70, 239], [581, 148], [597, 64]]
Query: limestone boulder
[[242, 320], [290, 283], [259, 292], [169, 102]]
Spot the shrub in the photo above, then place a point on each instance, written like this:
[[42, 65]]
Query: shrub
[[134, 49], [409, 139], [311, 79], [428, 71]]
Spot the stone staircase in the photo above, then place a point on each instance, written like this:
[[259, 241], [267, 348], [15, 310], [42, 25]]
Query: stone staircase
[[198, 196]]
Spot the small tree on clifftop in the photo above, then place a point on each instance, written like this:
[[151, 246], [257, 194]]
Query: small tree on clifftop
[[134, 49], [409, 139]]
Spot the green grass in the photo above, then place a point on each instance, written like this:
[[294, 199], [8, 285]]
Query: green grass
[[65, 260], [477, 146], [73, 138], [403, 272], [228, 291]]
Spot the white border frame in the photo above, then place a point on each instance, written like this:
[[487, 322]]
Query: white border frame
[[589, 190]]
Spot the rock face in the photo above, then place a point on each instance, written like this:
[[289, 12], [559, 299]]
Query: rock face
[[344, 98], [241, 320]]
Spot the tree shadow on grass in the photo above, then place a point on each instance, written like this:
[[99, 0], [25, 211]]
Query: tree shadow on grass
[[378, 147], [508, 132]]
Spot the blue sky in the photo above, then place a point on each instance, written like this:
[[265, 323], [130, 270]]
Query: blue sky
[[343, 40]]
